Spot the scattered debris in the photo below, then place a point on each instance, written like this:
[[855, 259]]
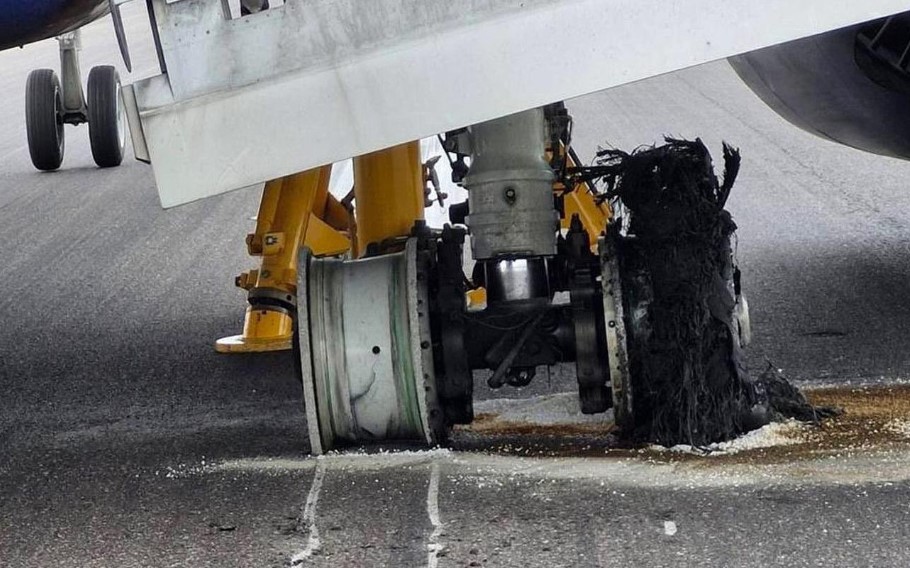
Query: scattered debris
[[875, 419], [560, 409], [771, 435], [786, 401], [900, 426]]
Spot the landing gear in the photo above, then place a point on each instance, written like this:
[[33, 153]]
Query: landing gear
[[52, 102], [648, 306], [387, 345], [675, 281]]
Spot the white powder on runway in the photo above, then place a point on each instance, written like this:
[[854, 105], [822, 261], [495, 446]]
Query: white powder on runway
[[434, 543], [309, 517], [546, 410], [899, 426], [431, 453], [768, 436]]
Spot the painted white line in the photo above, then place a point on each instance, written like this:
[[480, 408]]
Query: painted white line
[[309, 517], [669, 528], [434, 546]]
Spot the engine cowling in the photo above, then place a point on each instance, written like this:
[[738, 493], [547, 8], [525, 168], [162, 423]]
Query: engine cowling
[[851, 86]]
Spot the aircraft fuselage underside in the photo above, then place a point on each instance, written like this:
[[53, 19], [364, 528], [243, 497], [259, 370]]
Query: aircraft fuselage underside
[[24, 22]]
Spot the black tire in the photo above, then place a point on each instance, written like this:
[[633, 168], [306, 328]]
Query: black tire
[[106, 121], [44, 119]]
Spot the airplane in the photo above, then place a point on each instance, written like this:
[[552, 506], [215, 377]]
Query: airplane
[[375, 303]]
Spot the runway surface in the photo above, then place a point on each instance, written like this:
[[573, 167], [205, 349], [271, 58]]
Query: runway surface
[[125, 440]]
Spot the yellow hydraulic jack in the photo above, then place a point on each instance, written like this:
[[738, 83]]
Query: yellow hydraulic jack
[[295, 210], [298, 210]]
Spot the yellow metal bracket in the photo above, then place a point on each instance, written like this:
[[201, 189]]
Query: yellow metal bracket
[[581, 201]]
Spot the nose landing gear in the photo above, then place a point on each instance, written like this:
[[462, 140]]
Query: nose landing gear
[[50, 103]]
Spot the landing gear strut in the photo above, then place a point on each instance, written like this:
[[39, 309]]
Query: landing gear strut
[[388, 346], [51, 102]]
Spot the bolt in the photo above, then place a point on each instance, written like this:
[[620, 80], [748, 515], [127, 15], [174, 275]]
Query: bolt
[[510, 195]]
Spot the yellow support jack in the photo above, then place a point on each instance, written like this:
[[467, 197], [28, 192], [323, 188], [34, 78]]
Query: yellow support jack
[[298, 211], [295, 210]]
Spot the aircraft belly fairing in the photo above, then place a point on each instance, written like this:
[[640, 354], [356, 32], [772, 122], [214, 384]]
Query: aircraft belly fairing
[[22, 23], [851, 86]]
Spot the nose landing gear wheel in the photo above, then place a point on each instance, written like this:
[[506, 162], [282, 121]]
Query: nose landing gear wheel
[[44, 119], [365, 349], [106, 123]]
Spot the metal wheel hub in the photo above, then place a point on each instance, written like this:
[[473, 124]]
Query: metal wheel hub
[[365, 350], [121, 117], [615, 331]]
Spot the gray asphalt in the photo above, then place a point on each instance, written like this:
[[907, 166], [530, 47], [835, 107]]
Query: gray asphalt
[[126, 441]]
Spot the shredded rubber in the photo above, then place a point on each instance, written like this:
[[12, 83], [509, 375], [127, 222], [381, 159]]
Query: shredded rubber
[[786, 401], [689, 379]]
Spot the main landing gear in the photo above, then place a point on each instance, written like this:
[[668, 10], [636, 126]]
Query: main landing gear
[[51, 102]]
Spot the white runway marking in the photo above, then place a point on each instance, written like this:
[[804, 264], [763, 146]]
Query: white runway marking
[[434, 547], [309, 517]]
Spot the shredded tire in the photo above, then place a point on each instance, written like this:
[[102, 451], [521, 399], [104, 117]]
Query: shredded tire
[[688, 374]]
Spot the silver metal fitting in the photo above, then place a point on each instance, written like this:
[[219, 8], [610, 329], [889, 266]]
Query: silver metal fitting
[[510, 280], [510, 188]]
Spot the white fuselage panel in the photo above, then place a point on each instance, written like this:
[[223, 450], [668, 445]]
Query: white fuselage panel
[[318, 81]]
